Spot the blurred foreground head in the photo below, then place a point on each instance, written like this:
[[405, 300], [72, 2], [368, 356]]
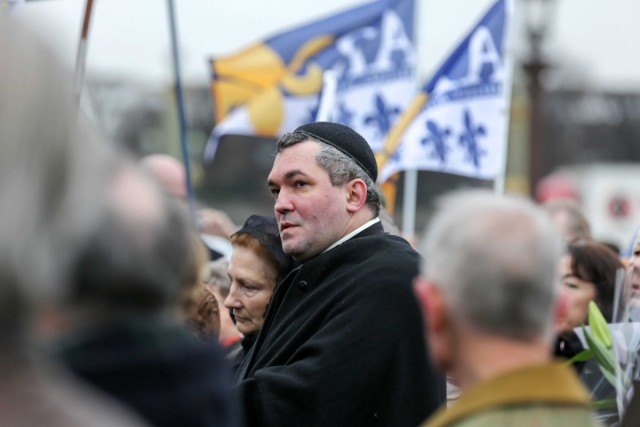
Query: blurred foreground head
[[52, 174], [80, 226], [139, 259], [169, 172], [490, 272]]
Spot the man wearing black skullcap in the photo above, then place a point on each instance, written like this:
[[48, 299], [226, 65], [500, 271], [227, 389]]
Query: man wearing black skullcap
[[342, 343]]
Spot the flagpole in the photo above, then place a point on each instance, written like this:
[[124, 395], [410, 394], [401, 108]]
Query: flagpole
[[499, 182], [184, 142], [327, 96], [81, 56]]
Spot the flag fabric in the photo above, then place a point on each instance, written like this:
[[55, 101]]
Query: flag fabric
[[274, 86], [458, 122]]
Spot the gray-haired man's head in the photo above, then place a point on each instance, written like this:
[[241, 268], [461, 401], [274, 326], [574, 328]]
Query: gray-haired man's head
[[494, 258]]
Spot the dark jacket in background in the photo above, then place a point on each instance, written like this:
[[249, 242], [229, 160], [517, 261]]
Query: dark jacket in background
[[161, 371], [343, 343]]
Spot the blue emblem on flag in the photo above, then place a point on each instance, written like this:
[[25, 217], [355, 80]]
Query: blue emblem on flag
[[438, 138], [469, 139], [268, 88], [383, 116], [459, 123]]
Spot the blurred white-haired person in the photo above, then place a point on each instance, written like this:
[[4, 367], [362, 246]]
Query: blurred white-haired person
[[489, 293], [52, 172]]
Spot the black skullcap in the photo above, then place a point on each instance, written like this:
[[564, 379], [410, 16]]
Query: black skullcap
[[346, 140], [265, 230]]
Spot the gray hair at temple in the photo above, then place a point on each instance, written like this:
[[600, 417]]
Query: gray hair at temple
[[340, 167], [52, 169], [495, 260]]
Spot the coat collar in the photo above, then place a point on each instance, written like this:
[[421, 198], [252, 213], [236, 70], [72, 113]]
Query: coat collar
[[553, 382]]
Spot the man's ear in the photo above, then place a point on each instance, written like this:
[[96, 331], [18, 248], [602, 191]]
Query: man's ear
[[431, 302], [437, 327], [356, 195]]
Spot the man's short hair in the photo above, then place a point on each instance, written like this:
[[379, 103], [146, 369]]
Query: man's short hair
[[340, 167], [495, 260]]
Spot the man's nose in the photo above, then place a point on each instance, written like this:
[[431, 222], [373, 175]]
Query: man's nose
[[283, 203]]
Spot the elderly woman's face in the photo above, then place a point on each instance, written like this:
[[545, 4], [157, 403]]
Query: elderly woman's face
[[579, 292], [252, 284]]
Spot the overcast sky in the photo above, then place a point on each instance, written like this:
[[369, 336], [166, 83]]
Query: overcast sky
[[598, 40]]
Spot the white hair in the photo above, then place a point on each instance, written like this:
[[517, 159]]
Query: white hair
[[495, 260]]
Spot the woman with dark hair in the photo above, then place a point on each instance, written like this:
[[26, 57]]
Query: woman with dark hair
[[257, 265], [587, 273]]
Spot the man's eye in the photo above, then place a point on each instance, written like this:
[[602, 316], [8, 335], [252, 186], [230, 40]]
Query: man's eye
[[274, 192], [300, 184]]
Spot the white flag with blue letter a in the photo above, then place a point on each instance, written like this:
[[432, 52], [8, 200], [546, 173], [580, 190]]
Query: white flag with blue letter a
[[461, 128]]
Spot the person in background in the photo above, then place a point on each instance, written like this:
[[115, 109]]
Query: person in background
[[489, 294], [218, 281], [122, 334], [588, 273], [200, 308], [214, 225], [330, 351], [257, 265], [568, 218], [633, 273]]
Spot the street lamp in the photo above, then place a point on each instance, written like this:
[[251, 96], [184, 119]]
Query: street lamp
[[537, 16]]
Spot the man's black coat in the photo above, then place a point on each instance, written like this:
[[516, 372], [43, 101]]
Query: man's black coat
[[343, 342]]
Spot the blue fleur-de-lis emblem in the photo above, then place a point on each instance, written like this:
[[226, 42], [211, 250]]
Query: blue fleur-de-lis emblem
[[344, 115], [383, 117], [469, 140], [438, 138]]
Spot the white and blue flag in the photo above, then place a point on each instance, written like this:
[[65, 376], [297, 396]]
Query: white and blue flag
[[274, 86], [459, 124]]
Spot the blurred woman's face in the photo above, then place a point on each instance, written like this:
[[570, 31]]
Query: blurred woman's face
[[252, 284], [579, 292], [634, 271]]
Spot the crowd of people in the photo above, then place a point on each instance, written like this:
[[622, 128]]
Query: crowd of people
[[117, 309]]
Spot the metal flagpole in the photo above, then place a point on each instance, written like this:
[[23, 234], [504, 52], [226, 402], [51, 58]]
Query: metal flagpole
[[499, 181], [184, 142], [327, 96], [81, 57]]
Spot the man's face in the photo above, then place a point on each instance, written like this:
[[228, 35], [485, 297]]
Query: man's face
[[312, 214]]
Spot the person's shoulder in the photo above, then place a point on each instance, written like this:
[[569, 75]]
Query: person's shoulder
[[382, 243], [526, 415]]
